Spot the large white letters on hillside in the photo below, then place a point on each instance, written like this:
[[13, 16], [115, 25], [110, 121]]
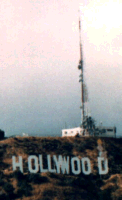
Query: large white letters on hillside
[[73, 163], [88, 165], [17, 164], [60, 164], [36, 166], [102, 162]]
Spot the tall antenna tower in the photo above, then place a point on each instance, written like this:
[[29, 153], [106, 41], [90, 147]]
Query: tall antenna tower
[[80, 67]]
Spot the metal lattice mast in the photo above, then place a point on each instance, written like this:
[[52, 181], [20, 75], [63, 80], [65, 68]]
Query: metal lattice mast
[[80, 67]]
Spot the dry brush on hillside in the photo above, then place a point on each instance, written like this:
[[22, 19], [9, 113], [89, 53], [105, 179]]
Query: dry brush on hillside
[[55, 186]]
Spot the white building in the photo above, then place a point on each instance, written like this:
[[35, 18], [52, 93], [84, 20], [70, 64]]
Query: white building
[[72, 132]]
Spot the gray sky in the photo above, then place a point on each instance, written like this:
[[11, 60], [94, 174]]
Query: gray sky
[[39, 55]]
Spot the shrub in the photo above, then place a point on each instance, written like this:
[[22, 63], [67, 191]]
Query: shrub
[[66, 148], [52, 175], [36, 178], [1, 182], [80, 147], [1, 152], [70, 193], [3, 197], [66, 181], [18, 175], [24, 189], [105, 194], [80, 182], [89, 145], [49, 194], [26, 140], [8, 188], [1, 174], [50, 145]]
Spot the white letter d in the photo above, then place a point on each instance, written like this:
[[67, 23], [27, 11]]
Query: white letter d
[[103, 163]]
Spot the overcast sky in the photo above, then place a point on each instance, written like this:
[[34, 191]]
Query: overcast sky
[[39, 54]]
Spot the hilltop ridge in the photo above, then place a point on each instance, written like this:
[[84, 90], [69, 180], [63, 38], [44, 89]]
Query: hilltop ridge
[[63, 186]]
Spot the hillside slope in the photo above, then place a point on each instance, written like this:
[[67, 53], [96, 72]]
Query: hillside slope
[[63, 186]]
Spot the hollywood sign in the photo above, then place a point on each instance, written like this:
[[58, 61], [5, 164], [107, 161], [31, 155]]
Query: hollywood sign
[[61, 164]]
